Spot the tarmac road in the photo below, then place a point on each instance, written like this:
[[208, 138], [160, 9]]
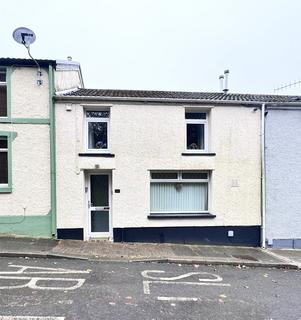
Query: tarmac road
[[74, 289]]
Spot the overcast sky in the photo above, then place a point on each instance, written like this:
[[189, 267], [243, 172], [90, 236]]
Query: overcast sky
[[165, 44]]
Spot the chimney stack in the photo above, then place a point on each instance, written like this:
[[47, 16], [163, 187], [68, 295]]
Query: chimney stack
[[221, 83], [226, 89]]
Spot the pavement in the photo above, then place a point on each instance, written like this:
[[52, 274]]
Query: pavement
[[150, 252]]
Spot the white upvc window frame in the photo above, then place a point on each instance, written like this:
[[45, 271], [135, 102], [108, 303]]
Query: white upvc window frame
[[197, 121], [96, 119], [5, 150], [181, 180]]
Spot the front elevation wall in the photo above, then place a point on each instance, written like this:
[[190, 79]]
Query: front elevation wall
[[151, 138]]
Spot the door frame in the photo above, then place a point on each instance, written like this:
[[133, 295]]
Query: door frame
[[90, 234]]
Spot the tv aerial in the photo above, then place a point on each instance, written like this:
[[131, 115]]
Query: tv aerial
[[26, 37]]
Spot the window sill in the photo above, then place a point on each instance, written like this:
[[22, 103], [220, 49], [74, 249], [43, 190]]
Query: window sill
[[181, 216], [204, 154], [96, 154], [6, 189]]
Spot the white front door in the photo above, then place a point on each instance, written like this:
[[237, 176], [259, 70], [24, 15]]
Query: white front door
[[99, 206]]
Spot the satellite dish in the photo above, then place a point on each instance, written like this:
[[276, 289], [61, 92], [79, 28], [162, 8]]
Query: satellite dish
[[24, 36]]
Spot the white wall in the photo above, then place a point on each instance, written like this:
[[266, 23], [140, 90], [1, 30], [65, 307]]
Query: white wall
[[149, 137], [67, 79]]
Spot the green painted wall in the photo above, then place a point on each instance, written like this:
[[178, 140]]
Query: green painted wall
[[33, 226]]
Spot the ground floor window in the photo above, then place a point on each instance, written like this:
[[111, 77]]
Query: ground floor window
[[6, 139], [3, 160], [179, 192]]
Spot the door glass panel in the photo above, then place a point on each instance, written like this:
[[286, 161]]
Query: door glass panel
[[100, 221], [99, 190]]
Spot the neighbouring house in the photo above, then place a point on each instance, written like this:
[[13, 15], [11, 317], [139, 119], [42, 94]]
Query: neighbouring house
[[283, 176], [27, 143], [126, 165]]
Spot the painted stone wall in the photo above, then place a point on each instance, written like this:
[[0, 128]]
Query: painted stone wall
[[152, 137], [25, 211], [283, 176]]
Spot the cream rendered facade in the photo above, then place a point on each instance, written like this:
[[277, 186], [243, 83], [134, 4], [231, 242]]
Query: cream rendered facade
[[25, 207], [146, 137]]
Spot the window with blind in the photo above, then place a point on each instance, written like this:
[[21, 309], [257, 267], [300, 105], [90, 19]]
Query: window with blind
[[3, 94], [179, 192]]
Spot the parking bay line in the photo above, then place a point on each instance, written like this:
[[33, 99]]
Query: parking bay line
[[146, 283], [178, 299]]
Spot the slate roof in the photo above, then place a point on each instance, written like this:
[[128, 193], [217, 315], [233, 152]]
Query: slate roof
[[181, 95], [26, 62]]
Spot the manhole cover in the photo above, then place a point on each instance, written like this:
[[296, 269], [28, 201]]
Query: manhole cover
[[245, 257]]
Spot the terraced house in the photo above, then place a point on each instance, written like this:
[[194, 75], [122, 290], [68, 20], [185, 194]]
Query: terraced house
[[130, 165], [27, 143]]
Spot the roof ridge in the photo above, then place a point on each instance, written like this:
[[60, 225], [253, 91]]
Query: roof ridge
[[192, 92]]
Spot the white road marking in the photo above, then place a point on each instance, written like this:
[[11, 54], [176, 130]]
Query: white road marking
[[178, 299], [32, 284], [146, 283], [39, 270], [30, 318], [216, 278]]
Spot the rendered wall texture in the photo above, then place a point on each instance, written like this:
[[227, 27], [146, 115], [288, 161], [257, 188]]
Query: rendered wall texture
[[27, 99], [151, 137], [25, 211], [283, 174]]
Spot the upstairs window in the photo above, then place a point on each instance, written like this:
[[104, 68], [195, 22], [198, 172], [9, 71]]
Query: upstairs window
[[97, 130], [3, 160], [196, 131], [3, 94]]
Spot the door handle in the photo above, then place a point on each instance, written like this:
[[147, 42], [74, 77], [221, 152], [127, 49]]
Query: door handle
[[106, 208]]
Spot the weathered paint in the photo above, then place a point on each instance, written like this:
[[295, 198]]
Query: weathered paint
[[148, 137], [283, 176]]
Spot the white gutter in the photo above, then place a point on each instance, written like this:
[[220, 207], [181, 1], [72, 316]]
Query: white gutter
[[263, 189]]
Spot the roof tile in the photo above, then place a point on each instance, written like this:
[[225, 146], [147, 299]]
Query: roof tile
[[198, 96]]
